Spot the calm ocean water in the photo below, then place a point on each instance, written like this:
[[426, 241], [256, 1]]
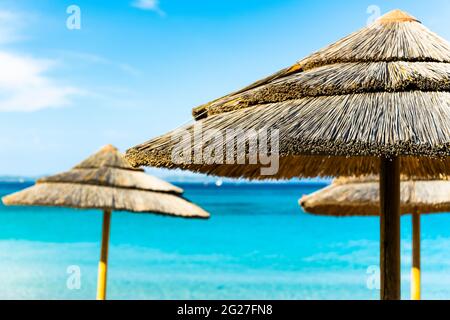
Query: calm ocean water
[[257, 245]]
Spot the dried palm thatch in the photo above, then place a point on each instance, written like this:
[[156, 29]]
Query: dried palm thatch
[[381, 91], [107, 181], [361, 197], [377, 101]]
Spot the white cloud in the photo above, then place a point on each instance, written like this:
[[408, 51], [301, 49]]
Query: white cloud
[[24, 83], [150, 5], [24, 86]]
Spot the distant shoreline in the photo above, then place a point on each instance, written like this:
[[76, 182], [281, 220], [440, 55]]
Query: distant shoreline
[[207, 181]]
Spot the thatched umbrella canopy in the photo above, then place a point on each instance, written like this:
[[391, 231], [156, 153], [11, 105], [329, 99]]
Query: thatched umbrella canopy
[[375, 102], [361, 197], [106, 181]]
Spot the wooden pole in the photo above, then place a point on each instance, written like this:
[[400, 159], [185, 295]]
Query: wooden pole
[[103, 264], [415, 272], [390, 228]]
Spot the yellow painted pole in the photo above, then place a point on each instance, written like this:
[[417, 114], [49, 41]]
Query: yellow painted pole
[[103, 264], [415, 272]]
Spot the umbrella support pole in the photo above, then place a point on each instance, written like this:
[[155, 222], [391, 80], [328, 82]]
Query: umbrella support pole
[[390, 228], [415, 272], [103, 264]]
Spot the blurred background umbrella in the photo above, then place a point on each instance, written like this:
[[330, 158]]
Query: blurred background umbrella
[[375, 102], [361, 197], [106, 181]]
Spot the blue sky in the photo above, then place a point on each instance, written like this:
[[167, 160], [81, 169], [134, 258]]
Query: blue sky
[[136, 68]]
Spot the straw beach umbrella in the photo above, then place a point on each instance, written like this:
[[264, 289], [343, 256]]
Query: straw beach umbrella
[[106, 181], [361, 197], [375, 102]]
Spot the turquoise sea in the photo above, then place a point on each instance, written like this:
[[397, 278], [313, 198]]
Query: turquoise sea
[[258, 244]]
